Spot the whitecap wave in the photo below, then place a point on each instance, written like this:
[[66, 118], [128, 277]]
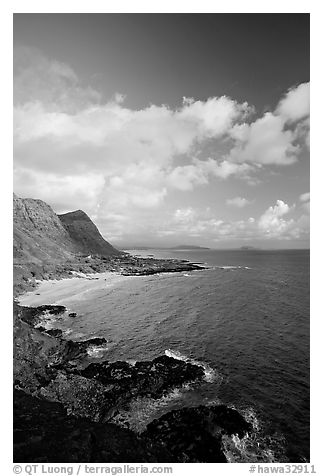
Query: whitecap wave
[[210, 375], [97, 351], [143, 410], [256, 446], [232, 267]]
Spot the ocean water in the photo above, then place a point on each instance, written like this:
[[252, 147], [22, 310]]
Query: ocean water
[[246, 318]]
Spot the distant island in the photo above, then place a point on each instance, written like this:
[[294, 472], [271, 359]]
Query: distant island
[[188, 247], [249, 248], [178, 247]]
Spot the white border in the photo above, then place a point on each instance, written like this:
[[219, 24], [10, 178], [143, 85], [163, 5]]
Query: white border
[[166, 6]]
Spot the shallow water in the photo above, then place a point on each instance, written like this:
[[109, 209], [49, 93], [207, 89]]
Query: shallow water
[[246, 318]]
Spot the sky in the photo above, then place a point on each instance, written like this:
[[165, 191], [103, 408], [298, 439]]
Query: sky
[[167, 129]]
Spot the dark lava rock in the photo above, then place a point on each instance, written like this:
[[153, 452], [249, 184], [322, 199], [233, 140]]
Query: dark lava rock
[[33, 315], [75, 350], [54, 332], [195, 434], [94, 341], [72, 314], [153, 378], [44, 433]]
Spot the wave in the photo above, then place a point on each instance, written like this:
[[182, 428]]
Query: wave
[[97, 351], [232, 267], [210, 375], [143, 410], [256, 446]]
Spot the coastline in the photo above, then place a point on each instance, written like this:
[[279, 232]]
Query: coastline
[[53, 378], [62, 291], [54, 382]]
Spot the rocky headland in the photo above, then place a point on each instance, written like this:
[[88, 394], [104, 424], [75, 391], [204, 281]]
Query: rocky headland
[[50, 246]]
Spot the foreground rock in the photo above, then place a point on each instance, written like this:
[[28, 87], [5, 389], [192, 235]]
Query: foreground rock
[[63, 404], [99, 391], [195, 434], [44, 433], [57, 369], [124, 382]]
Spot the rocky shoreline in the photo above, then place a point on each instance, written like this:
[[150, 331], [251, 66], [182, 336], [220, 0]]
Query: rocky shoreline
[[26, 275], [65, 406]]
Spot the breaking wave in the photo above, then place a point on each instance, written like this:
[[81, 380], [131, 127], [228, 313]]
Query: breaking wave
[[210, 375], [143, 410], [256, 446], [98, 351], [232, 267]]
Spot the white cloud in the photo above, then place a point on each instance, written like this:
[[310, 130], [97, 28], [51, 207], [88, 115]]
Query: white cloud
[[64, 192], [185, 215], [53, 83], [272, 222], [75, 150], [239, 202], [295, 105], [213, 117], [305, 197], [187, 177], [264, 142]]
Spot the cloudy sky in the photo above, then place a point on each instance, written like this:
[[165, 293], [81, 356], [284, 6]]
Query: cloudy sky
[[167, 129]]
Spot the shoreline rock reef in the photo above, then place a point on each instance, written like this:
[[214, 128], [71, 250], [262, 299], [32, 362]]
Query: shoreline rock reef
[[64, 406]]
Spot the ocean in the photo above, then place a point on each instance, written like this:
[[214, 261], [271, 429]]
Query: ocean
[[246, 319]]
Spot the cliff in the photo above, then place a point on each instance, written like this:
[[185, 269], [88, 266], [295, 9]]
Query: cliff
[[46, 246], [85, 234], [38, 234]]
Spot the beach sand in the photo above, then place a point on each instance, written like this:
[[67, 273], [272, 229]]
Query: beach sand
[[66, 291]]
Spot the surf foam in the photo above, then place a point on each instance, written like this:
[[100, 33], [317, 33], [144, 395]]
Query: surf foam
[[210, 375]]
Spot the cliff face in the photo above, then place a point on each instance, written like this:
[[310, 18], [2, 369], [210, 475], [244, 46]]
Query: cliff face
[[42, 236], [85, 234], [38, 234]]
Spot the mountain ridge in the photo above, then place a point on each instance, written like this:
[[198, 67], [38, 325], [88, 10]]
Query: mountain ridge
[[85, 234], [42, 235]]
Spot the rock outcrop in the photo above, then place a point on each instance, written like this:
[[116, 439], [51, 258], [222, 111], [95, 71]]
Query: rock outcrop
[[44, 433], [65, 406], [195, 434], [47, 365]]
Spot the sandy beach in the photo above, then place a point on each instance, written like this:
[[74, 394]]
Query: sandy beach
[[65, 291]]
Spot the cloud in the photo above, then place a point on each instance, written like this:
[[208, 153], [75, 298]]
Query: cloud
[[65, 193], [36, 78], [187, 177], [272, 222], [295, 105], [305, 199], [214, 117], [264, 142], [239, 202], [75, 149]]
